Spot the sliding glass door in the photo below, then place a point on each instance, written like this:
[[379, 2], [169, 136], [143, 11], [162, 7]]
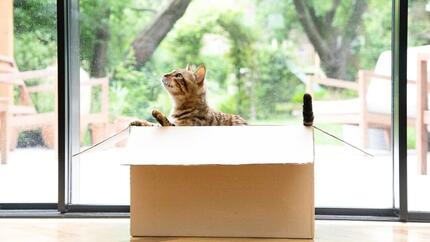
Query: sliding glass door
[[28, 97], [418, 57], [261, 57], [352, 93]]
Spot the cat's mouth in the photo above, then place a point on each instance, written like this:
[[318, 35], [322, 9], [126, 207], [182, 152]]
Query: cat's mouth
[[166, 82]]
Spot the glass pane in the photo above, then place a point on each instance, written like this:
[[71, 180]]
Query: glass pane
[[352, 92], [28, 118], [417, 105], [260, 57]]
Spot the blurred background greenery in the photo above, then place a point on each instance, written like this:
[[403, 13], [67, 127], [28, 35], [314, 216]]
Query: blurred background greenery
[[252, 48]]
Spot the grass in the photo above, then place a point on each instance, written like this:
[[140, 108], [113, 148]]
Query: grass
[[320, 138], [323, 139], [411, 138], [335, 129]]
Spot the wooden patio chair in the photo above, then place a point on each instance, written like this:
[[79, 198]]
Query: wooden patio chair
[[23, 116], [9, 109], [372, 107], [4, 145], [423, 112]]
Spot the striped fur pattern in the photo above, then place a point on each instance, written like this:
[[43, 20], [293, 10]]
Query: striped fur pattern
[[187, 90], [161, 118]]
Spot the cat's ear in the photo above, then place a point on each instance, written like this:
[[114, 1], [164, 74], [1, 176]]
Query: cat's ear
[[200, 73], [189, 67]]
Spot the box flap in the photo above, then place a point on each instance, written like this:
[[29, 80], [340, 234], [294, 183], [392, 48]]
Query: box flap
[[220, 145]]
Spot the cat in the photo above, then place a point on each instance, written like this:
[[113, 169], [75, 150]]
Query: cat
[[187, 90]]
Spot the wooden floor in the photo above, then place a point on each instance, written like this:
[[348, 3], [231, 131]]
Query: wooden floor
[[106, 230]]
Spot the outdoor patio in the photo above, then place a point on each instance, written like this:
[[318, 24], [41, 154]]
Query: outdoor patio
[[344, 178]]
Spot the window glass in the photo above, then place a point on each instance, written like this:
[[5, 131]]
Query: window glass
[[417, 105], [28, 118], [261, 57]]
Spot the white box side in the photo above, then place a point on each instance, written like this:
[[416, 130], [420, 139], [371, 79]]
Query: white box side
[[220, 145]]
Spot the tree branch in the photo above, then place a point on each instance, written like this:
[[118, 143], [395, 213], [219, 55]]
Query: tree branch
[[353, 23], [144, 10], [309, 26], [317, 21], [100, 57], [148, 40], [329, 16]]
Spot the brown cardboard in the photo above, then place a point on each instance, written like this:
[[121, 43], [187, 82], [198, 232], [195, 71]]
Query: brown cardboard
[[213, 239], [271, 198]]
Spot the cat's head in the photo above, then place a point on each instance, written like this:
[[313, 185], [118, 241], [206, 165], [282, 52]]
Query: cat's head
[[183, 84]]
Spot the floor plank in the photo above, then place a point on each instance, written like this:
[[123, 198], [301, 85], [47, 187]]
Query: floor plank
[[117, 230]]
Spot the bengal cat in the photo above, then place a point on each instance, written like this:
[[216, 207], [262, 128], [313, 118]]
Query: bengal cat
[[187, 90]]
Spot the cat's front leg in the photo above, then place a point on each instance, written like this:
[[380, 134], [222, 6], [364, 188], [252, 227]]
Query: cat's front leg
[[142, 123], [161, 118]]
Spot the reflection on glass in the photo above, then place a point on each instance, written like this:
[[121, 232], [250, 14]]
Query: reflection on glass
[[28, 121], [417, 103], [261, 56]]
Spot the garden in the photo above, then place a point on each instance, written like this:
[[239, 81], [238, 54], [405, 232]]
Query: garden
[[258, 52]]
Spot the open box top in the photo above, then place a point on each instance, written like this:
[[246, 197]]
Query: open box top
[[220, 145]]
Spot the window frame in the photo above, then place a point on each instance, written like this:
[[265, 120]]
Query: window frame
[[68, 127]]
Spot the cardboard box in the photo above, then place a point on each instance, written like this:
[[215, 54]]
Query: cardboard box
[[246, 181]]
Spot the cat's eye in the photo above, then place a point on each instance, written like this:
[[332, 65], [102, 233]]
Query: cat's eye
[[179, 75]]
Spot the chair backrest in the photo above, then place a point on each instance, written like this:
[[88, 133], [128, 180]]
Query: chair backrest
[[10, 64], [379, 90]]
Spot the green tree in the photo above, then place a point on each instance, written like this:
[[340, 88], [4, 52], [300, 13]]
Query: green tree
[[276, 86], [148, 40], [241, 49], [35, 32], [331, 28], [419, 23], [111, 29]]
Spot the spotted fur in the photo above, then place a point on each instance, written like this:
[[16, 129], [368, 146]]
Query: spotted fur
[[190, 108]]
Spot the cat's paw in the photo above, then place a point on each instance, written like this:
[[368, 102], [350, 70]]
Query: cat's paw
[[141, 123], [157, 113], [161, 118]]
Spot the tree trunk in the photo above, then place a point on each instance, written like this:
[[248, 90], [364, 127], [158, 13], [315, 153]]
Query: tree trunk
[[335, 64], [332, 44], [148, 40], [100, 57]]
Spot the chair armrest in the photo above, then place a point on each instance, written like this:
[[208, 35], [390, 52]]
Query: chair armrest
[[332, 82], [371, 74], [4, 104], [7, 59], [41, 88], [17, 78], [365, 75], [7, 64]]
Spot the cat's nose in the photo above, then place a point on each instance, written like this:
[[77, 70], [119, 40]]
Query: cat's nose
[[164, 80]]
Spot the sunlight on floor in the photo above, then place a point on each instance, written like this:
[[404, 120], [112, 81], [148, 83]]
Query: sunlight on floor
[[49, 230]]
